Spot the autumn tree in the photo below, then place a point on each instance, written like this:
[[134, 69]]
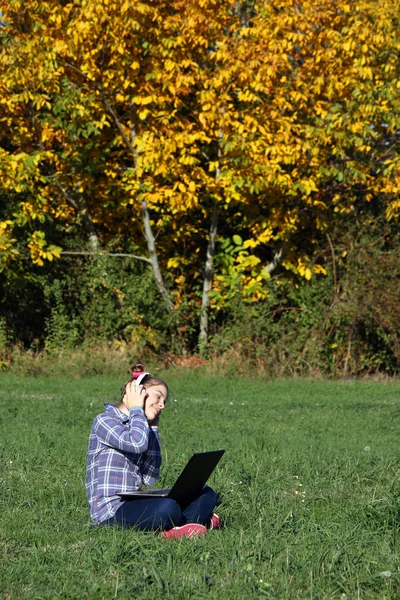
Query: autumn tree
[[238, 128]]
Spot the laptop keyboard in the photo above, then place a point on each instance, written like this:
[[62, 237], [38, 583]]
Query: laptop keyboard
[[153, 492]]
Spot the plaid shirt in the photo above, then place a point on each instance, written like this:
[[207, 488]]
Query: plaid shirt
[[123, 453]]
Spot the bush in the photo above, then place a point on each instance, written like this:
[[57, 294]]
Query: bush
[[345, 323]]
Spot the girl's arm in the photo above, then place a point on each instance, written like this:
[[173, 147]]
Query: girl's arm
[[152, 458], [133, 439]]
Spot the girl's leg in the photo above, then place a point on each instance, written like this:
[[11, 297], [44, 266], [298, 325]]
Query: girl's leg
[[201, 509], [148, 514]]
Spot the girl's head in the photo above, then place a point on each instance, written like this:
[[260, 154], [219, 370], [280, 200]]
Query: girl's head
[[156, 390]]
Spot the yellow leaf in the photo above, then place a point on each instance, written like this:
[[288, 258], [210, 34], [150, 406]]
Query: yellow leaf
[[169, 65], [319, 269], [250, 244], [172, 263]]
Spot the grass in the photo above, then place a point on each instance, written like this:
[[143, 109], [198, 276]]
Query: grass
[[309, 486]]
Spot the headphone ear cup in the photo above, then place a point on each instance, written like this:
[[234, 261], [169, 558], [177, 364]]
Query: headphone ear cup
[[139, 380]]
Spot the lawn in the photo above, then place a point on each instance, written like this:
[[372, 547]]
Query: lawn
[[309, 486]]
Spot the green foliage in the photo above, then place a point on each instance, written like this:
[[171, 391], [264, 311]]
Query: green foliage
[[4, 345], [276, 336], [62, 329], [346, 323], [238, 272], [95, 300]]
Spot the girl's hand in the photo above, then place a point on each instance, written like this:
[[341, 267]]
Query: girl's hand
[[134, 397]]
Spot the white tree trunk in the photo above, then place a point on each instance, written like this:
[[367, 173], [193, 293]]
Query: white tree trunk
[[207, 283], [153, 256], [276, 260]]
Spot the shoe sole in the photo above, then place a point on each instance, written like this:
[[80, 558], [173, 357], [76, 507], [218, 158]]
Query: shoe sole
[[189, 530]]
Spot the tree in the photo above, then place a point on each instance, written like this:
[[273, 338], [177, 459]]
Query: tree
[[201, 120]]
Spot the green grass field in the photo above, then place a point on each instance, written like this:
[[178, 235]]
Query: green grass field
[[310, 490]]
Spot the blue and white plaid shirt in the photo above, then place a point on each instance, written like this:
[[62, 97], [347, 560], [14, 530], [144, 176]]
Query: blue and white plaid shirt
[[124, 452]]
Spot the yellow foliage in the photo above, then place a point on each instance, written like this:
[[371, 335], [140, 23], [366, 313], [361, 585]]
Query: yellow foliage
[[393, 210], [7, 250], [39, 249], [173, 263], [319, 269], [187, 104], [303, 269]]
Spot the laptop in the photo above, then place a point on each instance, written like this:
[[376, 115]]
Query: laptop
[[189, 483]]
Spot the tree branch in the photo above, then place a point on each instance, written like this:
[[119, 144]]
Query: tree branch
[[119, 255], [117, 122]]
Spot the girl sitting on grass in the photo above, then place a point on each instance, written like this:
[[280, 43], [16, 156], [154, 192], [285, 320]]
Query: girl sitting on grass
[[124, 452]]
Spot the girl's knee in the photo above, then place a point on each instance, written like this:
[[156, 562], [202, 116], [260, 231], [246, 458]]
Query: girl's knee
[[169, 512], [209, 492]]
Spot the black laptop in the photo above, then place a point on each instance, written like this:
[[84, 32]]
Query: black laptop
[[189, 483]]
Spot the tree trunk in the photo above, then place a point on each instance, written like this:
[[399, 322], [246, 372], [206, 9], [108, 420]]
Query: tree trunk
[[83, 213], [150, 239], [276, 260], [207, 283], [94, 242], [153, 256], [208, 271]]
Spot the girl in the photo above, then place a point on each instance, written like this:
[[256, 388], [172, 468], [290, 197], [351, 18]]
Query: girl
[[124, 452]]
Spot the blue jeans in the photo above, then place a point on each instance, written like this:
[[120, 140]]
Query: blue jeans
[[148, 514]]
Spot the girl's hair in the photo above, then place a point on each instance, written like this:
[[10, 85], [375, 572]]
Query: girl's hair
[[147, 381]]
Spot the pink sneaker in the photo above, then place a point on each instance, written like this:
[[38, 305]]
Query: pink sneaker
[[215, 522], [189, 530]]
